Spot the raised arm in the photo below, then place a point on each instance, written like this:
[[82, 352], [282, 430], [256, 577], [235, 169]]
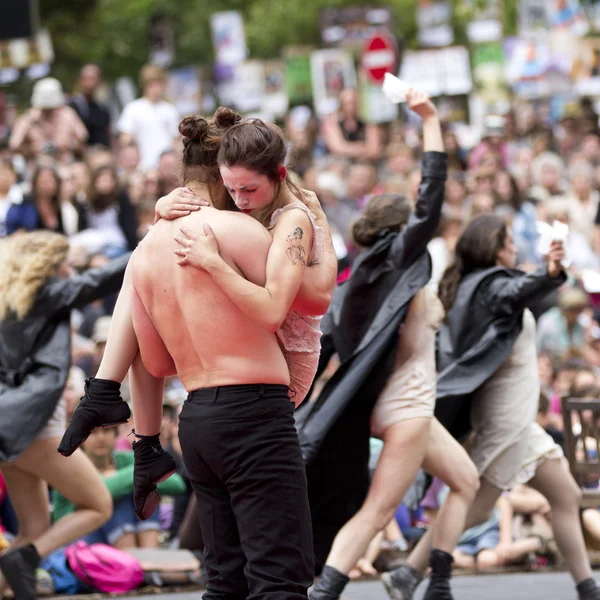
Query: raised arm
[[511, 295], [424, 221], [286, 264]]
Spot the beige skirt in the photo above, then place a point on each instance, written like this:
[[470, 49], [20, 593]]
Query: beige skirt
[[410, 390]]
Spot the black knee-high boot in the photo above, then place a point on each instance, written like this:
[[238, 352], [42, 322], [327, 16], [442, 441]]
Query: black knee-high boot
[[100, 406], [330, 586], [441, 571], [151, 465]]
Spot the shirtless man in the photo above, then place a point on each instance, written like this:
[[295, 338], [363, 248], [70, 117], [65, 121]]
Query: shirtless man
[[236, 428]]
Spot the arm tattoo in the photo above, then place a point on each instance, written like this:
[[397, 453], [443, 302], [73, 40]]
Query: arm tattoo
[[295, 250]]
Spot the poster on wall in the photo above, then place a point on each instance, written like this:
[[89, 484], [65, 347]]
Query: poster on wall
[[229, 40], [275, 101], [332, 70], [184, 90], [350, 26], [592, 12], [434, 19], [533, 18], [485, 22], [438, 72], [527, 65], [298, 76], [586, 69], [488, 72], [567, 15]]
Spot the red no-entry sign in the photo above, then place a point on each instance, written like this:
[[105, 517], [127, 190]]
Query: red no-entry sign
[[379, 56]]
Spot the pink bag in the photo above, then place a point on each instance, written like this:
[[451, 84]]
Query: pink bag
[[104, 567]]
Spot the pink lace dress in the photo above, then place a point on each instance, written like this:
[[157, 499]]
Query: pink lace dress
[[300, 335]]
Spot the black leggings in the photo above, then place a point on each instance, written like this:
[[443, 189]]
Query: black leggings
[[241, 450]]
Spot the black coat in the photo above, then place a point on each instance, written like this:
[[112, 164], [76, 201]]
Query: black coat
[[362, 328], [35, 354], [479, 333]]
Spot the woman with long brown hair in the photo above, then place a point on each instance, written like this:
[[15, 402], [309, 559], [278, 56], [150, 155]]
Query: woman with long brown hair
[[37, 293], [489, 384]]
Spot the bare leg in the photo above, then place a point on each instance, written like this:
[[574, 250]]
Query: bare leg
[[447, 460], [75, 478], [122, 345], [148, 539], [488, 559], [404, 447], [553, 480], [480, 511], [591, 522], [462, 560], [146, 398], [127, 540]]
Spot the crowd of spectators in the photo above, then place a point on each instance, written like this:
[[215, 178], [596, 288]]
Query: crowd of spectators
[[67, 167]]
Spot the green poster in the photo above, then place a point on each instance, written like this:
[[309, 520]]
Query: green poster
[[298, 81]]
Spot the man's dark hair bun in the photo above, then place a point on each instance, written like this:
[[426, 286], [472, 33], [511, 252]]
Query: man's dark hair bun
[[225, 117], [194, 128]]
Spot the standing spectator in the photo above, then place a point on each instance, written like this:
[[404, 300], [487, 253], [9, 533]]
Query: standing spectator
[[9, 193], [49, 126], [168, 172], [150, 121], [94, 114], [109, 213], [40, 209], [346, 135], [129, 161]]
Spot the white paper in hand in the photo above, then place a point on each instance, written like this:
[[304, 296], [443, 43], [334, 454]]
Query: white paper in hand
[[394, 89], [557, 232]]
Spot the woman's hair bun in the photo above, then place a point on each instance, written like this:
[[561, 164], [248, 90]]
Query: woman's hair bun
[[194, 128], [365, 232], [225, 117]]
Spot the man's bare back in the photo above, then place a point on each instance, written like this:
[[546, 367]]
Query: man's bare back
[[180, 312]]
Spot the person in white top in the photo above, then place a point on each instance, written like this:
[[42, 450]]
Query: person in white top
[[150, 121]]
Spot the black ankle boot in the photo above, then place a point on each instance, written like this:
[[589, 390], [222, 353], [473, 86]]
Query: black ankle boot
[[330, 586], [588, 590], [18, 567], [401, 582], [441, 570], [101, 406], [152, 464]]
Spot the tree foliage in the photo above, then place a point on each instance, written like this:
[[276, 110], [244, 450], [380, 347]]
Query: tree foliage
[[114, 33]]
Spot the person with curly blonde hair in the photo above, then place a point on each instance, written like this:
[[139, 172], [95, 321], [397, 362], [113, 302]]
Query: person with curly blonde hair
[[38, 290]]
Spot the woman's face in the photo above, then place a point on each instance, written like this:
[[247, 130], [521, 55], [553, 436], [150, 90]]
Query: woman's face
[[67, 184], [581, 184], [450, 143], [81, 176], [507, 255], [249, 190], [502, 186], [455, 192], [105, 183], [549, 177], [545, 370], [46, 184]]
